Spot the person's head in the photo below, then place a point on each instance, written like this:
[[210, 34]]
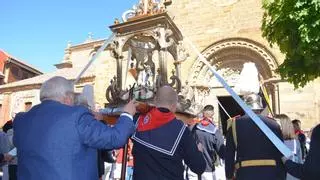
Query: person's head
[[208, 111], [166, 97], [7, 126], [296, 124], [286, 126], [80, 100], [57, 89], [254, 101]]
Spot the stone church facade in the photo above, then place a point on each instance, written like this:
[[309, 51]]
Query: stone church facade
[[226, 32]]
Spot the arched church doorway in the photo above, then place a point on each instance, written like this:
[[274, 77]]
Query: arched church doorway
[[228, 57]]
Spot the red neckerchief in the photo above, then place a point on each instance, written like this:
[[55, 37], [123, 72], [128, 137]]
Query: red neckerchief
[[154, 119], [297, 132], [205, 121]]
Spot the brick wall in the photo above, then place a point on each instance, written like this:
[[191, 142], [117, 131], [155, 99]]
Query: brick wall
[[3, 57]]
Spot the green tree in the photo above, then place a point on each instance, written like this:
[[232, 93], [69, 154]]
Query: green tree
[[294, 25]]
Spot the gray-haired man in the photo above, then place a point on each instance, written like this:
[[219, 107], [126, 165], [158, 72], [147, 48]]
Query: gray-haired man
[[56, 140]]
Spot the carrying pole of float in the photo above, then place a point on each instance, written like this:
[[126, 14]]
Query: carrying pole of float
[[124, 162], [262, 126]]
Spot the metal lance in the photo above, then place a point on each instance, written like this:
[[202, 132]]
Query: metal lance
[[264, 128], [105, 44]]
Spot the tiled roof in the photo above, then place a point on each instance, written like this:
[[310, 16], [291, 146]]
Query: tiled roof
[[22, 63], [69, 73]]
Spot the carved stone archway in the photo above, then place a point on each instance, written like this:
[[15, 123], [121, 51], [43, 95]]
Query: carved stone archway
[[228, 56], [234, 52]]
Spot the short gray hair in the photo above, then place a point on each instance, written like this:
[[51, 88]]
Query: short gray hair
[[80, 99], [56, 88], [166, 95]]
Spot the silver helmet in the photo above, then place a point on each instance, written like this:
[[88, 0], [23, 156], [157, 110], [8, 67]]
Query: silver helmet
[[254, 101]]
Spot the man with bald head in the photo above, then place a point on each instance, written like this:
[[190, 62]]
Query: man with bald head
[[57, 140], [162, 142]]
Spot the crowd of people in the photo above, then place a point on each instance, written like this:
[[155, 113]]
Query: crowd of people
[[64, 138]]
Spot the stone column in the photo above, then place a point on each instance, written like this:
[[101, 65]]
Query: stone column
[[276, 98], [119, 72], [163, 66], [162, 35]]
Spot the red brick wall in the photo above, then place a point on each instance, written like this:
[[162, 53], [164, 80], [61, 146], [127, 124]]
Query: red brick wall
[[3, 57], [16, 73]]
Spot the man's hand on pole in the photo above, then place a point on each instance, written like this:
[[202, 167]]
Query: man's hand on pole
[[130, 108]]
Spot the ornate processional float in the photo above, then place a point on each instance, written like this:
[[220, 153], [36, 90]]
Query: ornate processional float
[[148, 50], [145, 45]]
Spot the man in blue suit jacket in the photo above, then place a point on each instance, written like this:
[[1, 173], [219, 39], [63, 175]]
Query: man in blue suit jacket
[[56, 140]]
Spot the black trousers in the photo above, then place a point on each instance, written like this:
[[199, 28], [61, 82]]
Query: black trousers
[[12, 172]]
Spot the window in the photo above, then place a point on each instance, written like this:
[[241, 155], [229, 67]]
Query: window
[[25, 75], [15, 71], [27, 106]]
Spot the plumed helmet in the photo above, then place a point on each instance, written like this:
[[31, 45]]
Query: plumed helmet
[[254, 101]]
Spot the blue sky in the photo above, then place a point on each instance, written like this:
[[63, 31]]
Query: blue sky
[[37, 31]]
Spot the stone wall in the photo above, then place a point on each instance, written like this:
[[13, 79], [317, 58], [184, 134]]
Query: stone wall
[[105, 71], [14, 102], [205, 22], [302, 103]]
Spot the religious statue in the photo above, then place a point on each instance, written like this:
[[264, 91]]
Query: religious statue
[[182, 53], [148, 7], [150, 65], [145, 73], [133, 72], [116, 21]]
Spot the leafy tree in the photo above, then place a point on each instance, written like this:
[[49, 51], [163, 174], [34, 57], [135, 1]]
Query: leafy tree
[[294, 25]]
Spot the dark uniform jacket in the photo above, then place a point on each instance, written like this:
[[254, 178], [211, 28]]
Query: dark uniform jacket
[[160, 144], [310, 170], [303, 140], [252, 144], [212, 140]]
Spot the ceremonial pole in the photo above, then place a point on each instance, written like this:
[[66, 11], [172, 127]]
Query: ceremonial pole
[[124, 162], [266, 98], [105, 44], [125, 148]]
